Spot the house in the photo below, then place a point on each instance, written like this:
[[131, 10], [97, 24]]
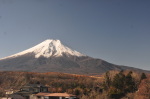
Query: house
[[37, 91], [13, 96], [30, 89], [54, 96], [9, 91]]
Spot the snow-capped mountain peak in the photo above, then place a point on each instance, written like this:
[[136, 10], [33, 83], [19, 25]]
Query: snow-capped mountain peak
[[47, 49]]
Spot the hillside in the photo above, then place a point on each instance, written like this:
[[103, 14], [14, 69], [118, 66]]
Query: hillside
[[57, 82], [53, 56], [85, 87]]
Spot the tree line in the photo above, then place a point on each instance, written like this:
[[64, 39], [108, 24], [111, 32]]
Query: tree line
[[111, 85]]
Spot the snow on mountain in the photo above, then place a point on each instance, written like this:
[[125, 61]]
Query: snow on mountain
[[47, 49], [25, 61]]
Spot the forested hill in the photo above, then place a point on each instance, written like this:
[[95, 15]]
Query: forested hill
[[112, 84]]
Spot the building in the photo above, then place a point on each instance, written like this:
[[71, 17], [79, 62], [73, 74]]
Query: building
[[36, 91], [54, 96], [9, 91], [30, 89], [14, 96]]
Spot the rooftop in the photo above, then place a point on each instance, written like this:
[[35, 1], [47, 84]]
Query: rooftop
[[34, 85], [56, 94]]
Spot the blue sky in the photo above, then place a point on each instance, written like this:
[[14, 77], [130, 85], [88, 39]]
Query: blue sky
[[117, 31]]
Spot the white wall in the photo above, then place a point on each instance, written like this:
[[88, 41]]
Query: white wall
[[60, 97]]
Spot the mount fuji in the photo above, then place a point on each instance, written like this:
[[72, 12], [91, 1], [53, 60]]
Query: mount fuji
[[53, 56], [48, 48]]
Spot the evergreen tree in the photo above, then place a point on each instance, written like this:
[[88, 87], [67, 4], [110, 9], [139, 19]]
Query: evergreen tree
[[119, 81], [143, 76], [130, 85], [118, 86]]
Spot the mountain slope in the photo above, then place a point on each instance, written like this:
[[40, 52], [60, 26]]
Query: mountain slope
[[53, 56]]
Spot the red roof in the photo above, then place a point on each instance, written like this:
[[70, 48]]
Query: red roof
[[56, 94], [41, 94]]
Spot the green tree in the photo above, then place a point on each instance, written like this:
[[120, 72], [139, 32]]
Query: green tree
[[118, 86], [143, 76], [130, 85], [119, 81]]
